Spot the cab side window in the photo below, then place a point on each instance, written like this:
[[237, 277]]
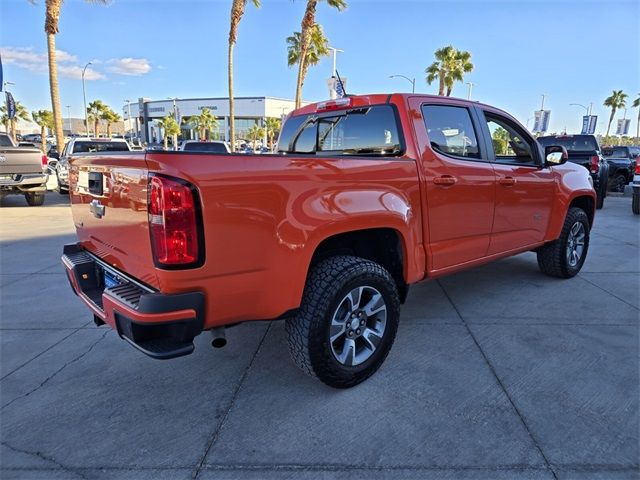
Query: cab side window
[[450, 130], [510, 144]]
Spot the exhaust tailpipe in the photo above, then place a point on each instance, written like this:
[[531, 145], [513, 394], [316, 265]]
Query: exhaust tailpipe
[[219, 337]]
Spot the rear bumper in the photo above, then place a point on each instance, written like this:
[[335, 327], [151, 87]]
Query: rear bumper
[[25, 182], [161, 326]]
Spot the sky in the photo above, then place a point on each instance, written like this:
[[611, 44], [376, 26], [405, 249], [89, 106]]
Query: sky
[[573, 51]]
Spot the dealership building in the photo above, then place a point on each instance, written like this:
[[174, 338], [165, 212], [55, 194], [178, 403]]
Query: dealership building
[[142, 118]]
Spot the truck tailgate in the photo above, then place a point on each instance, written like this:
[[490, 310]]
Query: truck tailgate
[[20, 160], [109, 205]]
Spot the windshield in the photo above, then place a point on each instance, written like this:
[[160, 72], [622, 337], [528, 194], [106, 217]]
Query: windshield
[[619, 152], [91, 147], [210, 147], [573, 143]]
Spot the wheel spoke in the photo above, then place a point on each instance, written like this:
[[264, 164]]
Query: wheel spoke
[[354, 297], [375, 305], [337, 330], [372, 339], [348, 352]]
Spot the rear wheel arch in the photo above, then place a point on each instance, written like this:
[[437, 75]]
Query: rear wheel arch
[[384, 246], [584, 203]]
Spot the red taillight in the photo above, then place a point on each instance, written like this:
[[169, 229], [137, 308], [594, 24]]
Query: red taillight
[[172, 221], [45, 161], [637, 172], [595, 164], [333, 104]]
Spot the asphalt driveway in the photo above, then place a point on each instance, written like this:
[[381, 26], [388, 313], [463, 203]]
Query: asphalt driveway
[[497, 373]]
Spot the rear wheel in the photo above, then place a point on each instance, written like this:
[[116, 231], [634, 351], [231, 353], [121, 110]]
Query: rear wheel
[[565, 256], [618, 183], [34, 199], [347, 322]]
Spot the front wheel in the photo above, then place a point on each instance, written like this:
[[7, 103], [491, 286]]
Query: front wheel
[[34, 199], [618, 183], [564, 257], [347, 321]]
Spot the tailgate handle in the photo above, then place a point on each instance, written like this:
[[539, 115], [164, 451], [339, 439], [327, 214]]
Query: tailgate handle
[[95, 183]]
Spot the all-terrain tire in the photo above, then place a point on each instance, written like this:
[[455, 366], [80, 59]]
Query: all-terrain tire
[[34, 199], [635, 203], [308, 332], [618, 183], [553, 258]]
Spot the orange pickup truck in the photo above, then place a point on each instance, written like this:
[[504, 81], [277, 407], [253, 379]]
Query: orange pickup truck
[[364, 196]]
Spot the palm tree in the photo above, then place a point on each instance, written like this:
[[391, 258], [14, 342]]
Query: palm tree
[[171, 128], [450, 66], [618, 99], [204, 122], [95, 112], [307, 27], [254, 133], [44, 119], [237, 10], [273, 128], [318, 48], [21, 114], [110, 117], [636, 104], [52, 18]]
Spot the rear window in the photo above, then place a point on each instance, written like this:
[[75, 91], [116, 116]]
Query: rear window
[[209, 147], [357, 131], [92, 147], [5, 141], [618, 152], [573, 143]]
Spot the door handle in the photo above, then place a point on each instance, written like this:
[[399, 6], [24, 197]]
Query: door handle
[[444, 180], [507, 181]]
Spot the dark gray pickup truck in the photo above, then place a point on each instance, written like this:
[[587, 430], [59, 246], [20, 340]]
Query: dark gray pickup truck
[[23, 171]]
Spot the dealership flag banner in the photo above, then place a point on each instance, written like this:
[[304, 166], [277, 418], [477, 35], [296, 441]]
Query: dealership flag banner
[[589, 124], [11, 105], [623, 126], [541, 121], [336, 90], [1, 76]]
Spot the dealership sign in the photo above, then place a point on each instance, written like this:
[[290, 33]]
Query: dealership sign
[[623, 126], [589, 124]]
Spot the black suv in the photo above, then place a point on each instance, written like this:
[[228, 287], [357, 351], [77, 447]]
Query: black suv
[[622, 163], [584, 150]]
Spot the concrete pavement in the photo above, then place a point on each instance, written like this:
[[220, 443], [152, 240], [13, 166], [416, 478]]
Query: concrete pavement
[[497, 373]]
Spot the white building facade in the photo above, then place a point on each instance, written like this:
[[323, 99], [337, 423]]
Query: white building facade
[[141, 118]]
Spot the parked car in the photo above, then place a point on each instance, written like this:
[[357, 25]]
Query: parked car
[[585, 150], [365, 196], [213, 146], [80, 145], [23, 171], [622, 163], [32, 137]]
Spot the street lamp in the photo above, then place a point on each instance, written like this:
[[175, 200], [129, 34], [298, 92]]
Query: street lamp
[[411, 80], [588, 110], [471, 84], [84, 97]]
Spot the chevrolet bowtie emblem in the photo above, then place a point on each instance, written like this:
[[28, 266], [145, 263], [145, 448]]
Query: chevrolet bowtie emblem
[[96, 208]]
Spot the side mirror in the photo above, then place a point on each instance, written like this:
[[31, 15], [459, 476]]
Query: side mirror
[[555, 155]]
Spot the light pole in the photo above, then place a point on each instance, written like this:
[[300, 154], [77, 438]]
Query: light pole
[[84, 98], [69, 117], [410, 80], [471, 84], [130, 120], [334, 51], [544, 95]]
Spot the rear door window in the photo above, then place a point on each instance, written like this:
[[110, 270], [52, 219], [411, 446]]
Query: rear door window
[[358, 131], [450, 130]]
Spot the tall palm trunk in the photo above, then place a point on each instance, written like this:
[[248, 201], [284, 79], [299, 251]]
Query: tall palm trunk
[[14, 127], [165, 140], [109, 129], [441, 85], [43, 139], [613, 114], [55, 92], [308, 21], [96, 127], [638, 125], [232, 126]]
